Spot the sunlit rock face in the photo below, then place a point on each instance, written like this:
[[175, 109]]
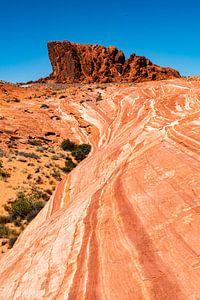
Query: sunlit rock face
[[87, 63], [125, 223]]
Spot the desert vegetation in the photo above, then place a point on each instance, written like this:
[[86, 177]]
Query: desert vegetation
[[42, 165], [19, 213], [79, 152], [3, 173]]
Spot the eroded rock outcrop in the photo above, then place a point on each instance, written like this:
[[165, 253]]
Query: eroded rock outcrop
[[73, 62], [125, 223]]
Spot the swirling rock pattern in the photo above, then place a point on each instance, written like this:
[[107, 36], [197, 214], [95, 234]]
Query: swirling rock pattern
[[125, 223]]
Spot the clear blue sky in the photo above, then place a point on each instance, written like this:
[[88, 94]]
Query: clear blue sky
[[165, 31]]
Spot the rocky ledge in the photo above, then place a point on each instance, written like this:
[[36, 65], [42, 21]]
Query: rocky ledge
[[84, 63]]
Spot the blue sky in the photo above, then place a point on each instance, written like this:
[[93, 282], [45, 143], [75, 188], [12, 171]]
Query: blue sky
[[167, 32]]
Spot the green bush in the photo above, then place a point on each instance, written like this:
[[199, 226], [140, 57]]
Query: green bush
[[21, 208], [85, 148], [5, 219], [68, 145], [24, 207], [37, 206], [6, 232], [81, 152], [17, 223], [3, 174], [69, 165], [78, 155]]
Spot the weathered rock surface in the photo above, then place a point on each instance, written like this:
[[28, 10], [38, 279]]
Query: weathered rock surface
[[73, 62], [125, 223]]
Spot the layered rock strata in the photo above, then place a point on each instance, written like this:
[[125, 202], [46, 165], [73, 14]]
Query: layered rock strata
[[125, 223]]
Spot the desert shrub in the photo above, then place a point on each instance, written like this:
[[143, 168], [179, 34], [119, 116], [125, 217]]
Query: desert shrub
[[78, 155], [37, 206], [49, 133], [154, 76], [81, 152], [45, 197], [56, 174], [4, 242], [40, 149], [38, 194], [68, 145], [24, 206], [6, 207], [6, 232], [1, 153], [44, 106], [66, 169], [5, 219], [51, 149], [34, 142], [85, 148], [69, 165], [55, 157], [29, 176], [21, 207], [68, 158], [99, 97], [48, 191], [28, 154], [3, 174], [17, 222]]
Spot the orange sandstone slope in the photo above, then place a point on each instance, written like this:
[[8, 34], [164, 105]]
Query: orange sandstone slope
[[125, 223]]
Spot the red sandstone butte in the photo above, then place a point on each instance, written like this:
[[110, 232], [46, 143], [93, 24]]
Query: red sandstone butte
[[125, 223], [85, 63]]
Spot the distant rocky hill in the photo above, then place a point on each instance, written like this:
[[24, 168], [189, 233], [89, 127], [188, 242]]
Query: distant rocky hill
[[73, 62], [6, 82]]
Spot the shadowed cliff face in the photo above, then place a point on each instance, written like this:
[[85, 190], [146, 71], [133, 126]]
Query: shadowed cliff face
[[93, 63], [125, 223]]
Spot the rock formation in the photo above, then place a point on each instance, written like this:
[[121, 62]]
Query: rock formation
[[93, 63], [125, 223]]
